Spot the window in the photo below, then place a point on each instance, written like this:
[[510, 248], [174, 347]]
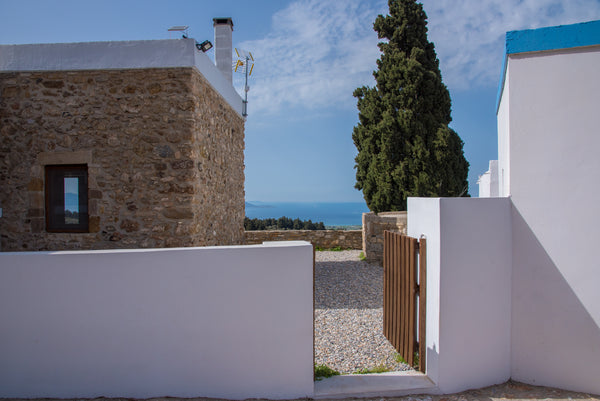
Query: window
[[67, 198]]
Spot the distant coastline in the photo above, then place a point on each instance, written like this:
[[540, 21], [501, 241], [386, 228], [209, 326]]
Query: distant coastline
[[332, 214]]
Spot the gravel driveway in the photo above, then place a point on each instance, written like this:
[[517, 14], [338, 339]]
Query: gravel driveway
[[349, 313]]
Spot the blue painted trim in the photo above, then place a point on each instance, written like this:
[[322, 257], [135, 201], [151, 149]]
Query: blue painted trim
[[553, 38], [549, 38]]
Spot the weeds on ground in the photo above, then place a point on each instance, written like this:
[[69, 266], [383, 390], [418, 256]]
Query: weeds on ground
[[377, 369], [362, 256], [334, 249], [398, 358], [324, 371]]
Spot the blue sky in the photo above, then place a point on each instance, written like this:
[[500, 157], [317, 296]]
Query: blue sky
[[310, 56]]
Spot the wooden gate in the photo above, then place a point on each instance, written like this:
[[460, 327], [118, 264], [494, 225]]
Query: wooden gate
[[404, 272]]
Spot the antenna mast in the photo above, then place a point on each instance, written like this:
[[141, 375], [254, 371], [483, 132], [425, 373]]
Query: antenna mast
[[245, 65]]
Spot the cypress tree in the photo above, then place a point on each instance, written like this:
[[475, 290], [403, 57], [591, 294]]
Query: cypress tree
[[405, 147]]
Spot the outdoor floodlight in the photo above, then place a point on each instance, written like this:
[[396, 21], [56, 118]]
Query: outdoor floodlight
[[204, 46]]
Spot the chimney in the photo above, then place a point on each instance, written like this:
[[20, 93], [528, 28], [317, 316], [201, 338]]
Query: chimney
[[223, 45]]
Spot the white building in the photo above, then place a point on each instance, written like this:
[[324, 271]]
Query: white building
[[488, 181], [513, 281]]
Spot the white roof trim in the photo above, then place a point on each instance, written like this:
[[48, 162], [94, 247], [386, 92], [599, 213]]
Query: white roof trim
[[117, 55]]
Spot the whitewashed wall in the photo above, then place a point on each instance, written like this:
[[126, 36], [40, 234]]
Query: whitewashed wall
[[513, 282], [226, 322], [468, 289], [503, 120], [488, 181], [484, 182], [554, 183]]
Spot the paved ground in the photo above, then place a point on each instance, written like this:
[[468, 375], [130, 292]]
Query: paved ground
[[508, 391], [512, 391]]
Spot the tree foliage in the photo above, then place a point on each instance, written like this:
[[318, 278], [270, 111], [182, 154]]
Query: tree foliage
[[405, 147], [282, 223]]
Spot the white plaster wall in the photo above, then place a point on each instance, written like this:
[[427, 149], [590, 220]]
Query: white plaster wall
[[503, 120], [494, 179], [218, 81], [484, 185], [468, 289], [118, 55], [488, 181], [423, 218], [225, 322], [555, 171]]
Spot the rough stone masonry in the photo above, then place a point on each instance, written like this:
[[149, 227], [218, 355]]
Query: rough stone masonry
[[164, 153]]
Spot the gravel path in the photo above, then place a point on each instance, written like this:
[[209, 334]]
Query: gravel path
[[349, 313]]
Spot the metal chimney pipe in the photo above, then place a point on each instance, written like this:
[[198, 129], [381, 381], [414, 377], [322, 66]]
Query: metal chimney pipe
[[223, 45]]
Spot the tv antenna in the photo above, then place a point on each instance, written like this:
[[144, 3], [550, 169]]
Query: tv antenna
[[179, 28], [244, 65]]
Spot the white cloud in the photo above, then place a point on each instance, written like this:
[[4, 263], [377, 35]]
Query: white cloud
[[469, 34], [319, 51]]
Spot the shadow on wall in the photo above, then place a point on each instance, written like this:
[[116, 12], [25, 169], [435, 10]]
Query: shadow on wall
[[551, 329]]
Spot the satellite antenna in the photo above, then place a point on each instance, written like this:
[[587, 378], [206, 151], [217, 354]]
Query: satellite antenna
[[244, 65], [179, 28]]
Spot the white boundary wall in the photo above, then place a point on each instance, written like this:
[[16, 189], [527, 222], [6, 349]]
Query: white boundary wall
[[226, 322], [468, 289]]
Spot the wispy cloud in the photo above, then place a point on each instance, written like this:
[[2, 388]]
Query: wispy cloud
[[319, 51], [469, 34], [316, 54]]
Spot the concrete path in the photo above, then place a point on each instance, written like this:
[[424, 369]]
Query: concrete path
[[512, 391]]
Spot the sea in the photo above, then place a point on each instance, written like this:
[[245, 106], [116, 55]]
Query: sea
[[332, 214]]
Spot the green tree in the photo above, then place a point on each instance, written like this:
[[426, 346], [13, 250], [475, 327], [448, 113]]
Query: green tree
[[405, 147], [297, 224]]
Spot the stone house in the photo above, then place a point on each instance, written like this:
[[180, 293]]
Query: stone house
[[119, 145]]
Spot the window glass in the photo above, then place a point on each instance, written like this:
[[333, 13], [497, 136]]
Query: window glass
[[71, 204], [66, 198]]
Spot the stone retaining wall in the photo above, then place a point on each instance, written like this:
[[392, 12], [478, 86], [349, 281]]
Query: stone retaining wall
[[351, 239], [373, 227]]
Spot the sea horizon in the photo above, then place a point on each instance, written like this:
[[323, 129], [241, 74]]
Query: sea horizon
[[332, 214]]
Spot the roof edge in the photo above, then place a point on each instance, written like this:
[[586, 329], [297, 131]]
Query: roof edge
[[137, 54], [559, 37], [553, 38]]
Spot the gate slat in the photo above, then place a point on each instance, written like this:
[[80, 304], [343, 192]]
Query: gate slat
[[410, 341], [387, 251], [397, 294], [422, 301], [400, 322], [408, 267], [403, 304]]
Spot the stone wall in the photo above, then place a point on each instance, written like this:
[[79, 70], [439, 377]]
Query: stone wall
[[164, 153], [373, 227], [351, 239]]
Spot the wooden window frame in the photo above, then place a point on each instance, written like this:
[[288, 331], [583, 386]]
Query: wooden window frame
[[54, 194]]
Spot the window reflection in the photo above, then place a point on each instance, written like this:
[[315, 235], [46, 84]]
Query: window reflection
[[71, 206]]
